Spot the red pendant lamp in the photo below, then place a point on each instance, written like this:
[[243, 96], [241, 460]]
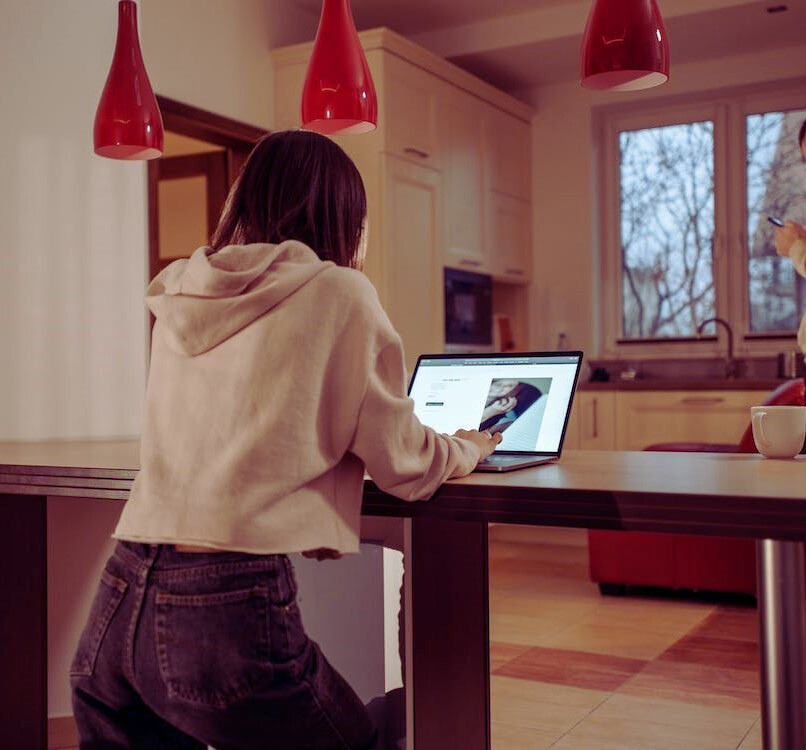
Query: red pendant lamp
[[624, 47], [128, 123], [338, 96]]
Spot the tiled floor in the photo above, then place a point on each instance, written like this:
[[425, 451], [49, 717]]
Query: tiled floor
[[573, 670]]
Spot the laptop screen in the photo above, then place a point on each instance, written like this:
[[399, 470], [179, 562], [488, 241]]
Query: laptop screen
[[524, 396]]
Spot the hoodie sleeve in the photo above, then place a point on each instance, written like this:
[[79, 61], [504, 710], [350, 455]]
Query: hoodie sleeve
[[404, 457]]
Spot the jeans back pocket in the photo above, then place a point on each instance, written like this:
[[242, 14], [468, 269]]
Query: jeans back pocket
[[106, 602], [213, 648]]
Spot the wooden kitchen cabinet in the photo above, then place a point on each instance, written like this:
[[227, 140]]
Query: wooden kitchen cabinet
[[592, 425], [647, 417], [632, 420], [463, 123], [509, 155], [509, 238], [508, 189], [487, 167], [468, 207], [411, 98], [412, 239]]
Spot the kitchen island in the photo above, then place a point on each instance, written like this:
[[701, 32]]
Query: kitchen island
[[696, 493]]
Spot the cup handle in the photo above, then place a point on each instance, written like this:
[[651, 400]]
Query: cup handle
[[757, 422]]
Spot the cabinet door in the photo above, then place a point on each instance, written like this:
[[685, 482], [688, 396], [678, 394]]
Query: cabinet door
[[648, 417], [463, 122], [593, 421], [410, 99], [412, 256], [509, 148], [509, 238]]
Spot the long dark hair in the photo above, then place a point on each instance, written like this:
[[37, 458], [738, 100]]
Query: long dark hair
[[297, 185]]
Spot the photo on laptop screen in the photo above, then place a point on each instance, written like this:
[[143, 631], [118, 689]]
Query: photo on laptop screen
[[526, 397]]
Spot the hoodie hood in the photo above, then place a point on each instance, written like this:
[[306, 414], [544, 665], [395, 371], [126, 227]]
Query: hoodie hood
[[203, 300]]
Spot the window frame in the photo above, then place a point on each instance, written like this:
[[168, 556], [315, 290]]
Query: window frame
[[728, 109]]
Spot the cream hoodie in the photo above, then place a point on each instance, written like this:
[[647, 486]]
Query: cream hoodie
[[275, 380]]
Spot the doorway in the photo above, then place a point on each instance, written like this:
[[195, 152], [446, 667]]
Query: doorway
[[188, 185]]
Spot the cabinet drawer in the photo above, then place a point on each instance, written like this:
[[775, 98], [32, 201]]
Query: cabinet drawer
[[687, 416]]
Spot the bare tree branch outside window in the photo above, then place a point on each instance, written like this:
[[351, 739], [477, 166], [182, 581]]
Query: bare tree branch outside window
[[667, 229]]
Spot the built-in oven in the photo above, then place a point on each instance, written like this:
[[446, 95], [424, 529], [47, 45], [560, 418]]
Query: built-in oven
[[468, 311]]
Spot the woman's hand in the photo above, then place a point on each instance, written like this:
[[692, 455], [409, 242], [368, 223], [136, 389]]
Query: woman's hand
[[484, 440], [786, 236]]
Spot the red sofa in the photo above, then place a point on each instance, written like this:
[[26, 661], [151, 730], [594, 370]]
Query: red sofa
[[678, 561]]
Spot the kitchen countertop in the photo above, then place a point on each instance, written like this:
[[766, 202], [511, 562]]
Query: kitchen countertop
[[682, 384]]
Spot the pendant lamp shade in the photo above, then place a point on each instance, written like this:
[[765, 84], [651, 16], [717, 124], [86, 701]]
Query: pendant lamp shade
[[128, 123], [624, 47], [338, 96]]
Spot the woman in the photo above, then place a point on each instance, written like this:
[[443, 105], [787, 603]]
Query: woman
[[275, 380], [790, 241]]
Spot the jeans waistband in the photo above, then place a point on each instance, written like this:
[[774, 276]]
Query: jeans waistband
[[164, 561]]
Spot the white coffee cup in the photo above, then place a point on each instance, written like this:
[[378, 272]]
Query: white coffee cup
[[779, 431]]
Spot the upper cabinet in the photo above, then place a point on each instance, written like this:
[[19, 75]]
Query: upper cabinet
[[487, 166], [463, 201], [509, 151], [410, 110], [463, 123]]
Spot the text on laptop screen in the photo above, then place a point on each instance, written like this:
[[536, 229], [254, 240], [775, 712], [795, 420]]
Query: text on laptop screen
[[524, 398]]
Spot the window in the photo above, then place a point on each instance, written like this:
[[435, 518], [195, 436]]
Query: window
[[685, 191]]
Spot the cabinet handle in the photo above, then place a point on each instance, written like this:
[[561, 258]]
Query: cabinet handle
[[415, 152], [514, 271], [595, 420], [700, 400], [466, 262]]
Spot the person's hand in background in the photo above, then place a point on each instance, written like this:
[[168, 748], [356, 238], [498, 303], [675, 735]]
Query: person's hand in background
[[787, 235]]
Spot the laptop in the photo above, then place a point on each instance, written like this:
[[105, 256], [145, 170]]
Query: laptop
[[524, 396]]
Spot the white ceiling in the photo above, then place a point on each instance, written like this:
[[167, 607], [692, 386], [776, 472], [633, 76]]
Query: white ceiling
[[518, 45]]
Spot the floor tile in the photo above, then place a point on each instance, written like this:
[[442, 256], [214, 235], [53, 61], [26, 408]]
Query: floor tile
[[709, 651], [512, 737], [605, 638], [561, 667], [501, 653], [690, 683], [753, 740], [551, 709], [608, 730]]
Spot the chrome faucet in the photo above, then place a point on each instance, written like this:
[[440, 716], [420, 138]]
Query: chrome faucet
[[731, 365]]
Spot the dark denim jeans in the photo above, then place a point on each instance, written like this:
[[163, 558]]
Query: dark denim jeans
[[185, 650]]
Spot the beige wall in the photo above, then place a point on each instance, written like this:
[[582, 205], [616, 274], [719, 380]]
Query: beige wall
[[72, 327], [211, 54], [565, 270]]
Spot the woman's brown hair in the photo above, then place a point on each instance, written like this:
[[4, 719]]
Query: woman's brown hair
[[297, 185]]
